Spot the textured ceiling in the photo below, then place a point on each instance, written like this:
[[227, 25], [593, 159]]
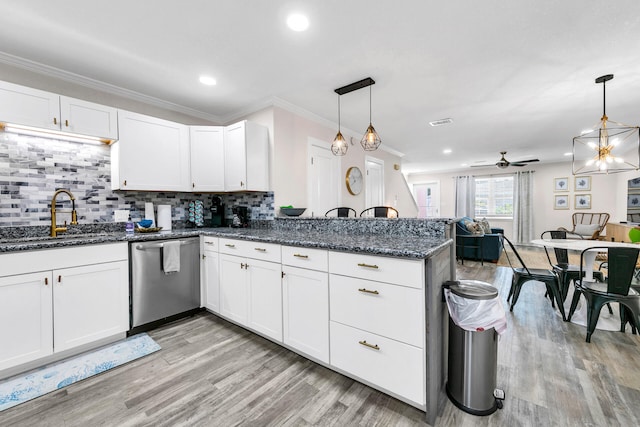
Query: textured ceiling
[[514, 76]]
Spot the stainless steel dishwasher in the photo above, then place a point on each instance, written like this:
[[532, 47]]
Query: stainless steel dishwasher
[[156, 296]]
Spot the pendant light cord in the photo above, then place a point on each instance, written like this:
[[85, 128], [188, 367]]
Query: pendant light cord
[[369, 105]]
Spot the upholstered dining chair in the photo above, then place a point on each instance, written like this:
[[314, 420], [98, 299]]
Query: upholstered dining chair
[[381, 212], [342, 212], [566, 271], [523, 274], [617, 288]]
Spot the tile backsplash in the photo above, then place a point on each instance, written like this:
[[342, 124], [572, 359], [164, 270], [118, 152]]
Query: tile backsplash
[[33, 168]]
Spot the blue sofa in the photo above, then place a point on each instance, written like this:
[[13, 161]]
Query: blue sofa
[[491, 243]]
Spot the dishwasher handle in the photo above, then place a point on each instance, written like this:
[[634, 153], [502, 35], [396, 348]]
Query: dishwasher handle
[[146, 246]]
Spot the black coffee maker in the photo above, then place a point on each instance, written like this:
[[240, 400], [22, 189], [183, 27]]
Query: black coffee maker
[[217, 212], [240, 216]]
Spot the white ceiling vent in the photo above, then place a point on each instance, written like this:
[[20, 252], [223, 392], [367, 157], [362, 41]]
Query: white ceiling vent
[[441, 122]]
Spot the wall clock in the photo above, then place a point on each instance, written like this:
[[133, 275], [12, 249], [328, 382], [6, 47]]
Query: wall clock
[[354, 180]]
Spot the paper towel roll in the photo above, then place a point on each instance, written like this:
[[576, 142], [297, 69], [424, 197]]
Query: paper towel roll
[[164, 217], [149, 214]]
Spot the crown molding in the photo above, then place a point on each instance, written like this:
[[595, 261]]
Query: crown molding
[[70, 77]]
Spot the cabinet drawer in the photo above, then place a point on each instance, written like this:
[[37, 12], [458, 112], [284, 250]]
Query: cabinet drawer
[[382, 269], [389, 310], [251, 249], [312, 259], [210, 243], [391, 365]]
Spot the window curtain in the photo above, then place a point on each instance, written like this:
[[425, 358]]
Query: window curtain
[[523, 207], [465, 196]]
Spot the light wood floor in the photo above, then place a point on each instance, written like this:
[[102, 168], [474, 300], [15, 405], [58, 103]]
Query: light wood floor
[[212, 373]]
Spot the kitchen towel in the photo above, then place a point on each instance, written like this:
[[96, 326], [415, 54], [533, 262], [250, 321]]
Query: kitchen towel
[[171, 257], [164, 217], [149, 214]]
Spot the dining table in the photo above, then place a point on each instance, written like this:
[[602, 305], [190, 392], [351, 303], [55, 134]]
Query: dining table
[[606, 321]]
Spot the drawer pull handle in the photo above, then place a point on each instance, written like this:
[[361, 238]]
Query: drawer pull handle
[[208, 243], [368, 291], [260, 249], [362, 264], [229, 245], [301, 256], [366, 344]]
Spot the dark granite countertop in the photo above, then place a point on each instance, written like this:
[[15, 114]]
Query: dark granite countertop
[[395, 245]]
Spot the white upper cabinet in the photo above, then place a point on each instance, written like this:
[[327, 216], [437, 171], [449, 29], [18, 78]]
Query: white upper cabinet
[[87, 118], [246, 154], [45, 110], [151, 154], [207, 158]]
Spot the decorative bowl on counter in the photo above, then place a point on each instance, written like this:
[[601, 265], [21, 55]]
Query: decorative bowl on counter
[[145, 223], [148, 229], [292, 211]]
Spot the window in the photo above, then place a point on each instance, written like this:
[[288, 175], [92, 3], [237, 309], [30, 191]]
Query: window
[[494, 196]]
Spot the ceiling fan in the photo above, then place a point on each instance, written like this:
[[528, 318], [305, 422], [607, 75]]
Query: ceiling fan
[[504, 163]]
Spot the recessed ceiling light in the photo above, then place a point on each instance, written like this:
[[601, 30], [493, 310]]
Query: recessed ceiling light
[[441, 122], [568, 154], [447, 151], [297, 22], [464, 164], [208, 80]]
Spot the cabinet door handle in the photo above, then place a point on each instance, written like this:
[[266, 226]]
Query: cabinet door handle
[[241, 184], [125, 183], [203, 256], [362, 264], [66, 123], [282, 274], [46, 281], [260, 249], [301, 256], [241, 265], [193, 185], [366, 344], [365, 290], [229, 245], [59, 278], [55, 121]]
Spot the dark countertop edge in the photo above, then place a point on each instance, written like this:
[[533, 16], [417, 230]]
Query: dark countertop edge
[[242, 234]]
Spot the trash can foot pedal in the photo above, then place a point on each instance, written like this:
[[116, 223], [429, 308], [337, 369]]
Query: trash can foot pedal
[[499, 395]]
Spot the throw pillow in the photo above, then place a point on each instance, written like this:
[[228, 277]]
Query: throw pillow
[[586, 230], [474, 227], [486, 228]]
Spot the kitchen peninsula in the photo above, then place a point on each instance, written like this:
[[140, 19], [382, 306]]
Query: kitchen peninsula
[[372, 308]]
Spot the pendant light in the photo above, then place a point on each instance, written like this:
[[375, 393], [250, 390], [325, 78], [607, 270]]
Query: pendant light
[[339, 145], [609, 147], [370, 141]]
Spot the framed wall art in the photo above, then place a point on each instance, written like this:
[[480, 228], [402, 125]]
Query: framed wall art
[[561, 202], [582, 183], [583, 201], [561, 184]]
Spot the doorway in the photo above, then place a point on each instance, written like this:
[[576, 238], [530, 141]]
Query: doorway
[[374, 182], [323, 173], [427, 196]]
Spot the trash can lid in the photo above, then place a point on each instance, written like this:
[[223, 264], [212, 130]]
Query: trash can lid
[[474, 289]]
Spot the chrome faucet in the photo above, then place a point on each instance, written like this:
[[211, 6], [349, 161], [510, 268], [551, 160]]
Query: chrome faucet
[[74, 217]]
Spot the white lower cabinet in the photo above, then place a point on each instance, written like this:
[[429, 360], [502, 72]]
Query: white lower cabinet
[[26, 318], [306, 311], [251, 288], [390, 364], [55, 300], [90, 303], [211, 274]]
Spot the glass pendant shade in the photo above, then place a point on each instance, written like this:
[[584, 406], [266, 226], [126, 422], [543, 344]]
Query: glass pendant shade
[[339, 145], [370, 141], [609, 147]]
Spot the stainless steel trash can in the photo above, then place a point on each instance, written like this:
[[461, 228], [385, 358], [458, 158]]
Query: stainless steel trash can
[[473, 356]]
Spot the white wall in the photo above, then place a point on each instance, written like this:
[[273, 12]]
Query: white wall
[[608, 194]]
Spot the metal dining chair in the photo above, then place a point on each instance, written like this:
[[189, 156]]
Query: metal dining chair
[[343, 212], [522, 275], [382, 212], [566, 271], [616, 288]]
